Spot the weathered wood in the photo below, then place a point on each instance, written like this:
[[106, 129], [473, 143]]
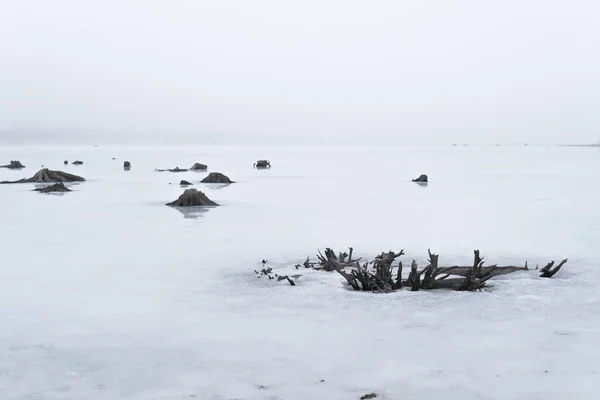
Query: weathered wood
[[47, 176], [216, 177], [414, 280], [198, 167], [191, 198], [482, 272], [262, 164], [57, 187], [176, 169], [13, 165], [549, 272], [378, 276]]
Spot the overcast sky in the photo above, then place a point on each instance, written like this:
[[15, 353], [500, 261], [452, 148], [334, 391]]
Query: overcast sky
[[397, 71]]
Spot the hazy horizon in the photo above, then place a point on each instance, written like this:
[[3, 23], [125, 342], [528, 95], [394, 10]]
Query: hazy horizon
[[319, 72]]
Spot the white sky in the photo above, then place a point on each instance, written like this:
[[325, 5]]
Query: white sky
[[397, 71]]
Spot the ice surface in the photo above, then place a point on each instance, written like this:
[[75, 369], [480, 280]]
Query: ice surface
[[105, 292]]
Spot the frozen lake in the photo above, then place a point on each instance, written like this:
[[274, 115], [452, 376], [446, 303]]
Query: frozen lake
[[107, 293]]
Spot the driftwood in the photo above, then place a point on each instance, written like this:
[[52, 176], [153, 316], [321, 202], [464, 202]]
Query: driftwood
[[198, 167], [46, 175], [262, 164], [331, 262], [191, 198], [268, 271], [57, 187], [13, 165], [548, 271], [423, 178], [77, 162], [382, 276], [216, 177], [176, 169]]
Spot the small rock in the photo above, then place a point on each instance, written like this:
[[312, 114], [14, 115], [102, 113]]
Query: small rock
[[368, 396], [77, 162], [126, 165], [66, 162], [185, 183]]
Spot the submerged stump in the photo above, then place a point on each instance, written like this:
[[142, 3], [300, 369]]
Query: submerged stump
[[13, 165], [192, 198], [48, 176], [198, 167], [262, 164], [216, 177], [176, 169], [57, 187], [384, 275], [423, 178]]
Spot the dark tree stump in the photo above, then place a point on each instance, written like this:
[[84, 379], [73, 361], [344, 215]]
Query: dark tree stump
[[46, 175], [13, 165], [378, 275], [548, 271], [57, 187], [216, 177], [198, 167], [260, 164], [191, 198], [176, 169], [423, 178]]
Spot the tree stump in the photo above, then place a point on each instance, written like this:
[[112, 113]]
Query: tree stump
[[192, 198], [45, 176], [57, 187], [261, 164], [198, 167], [176, 169], [13, 165], [216, 177], [548, 271], [381, 276], [423, 178]]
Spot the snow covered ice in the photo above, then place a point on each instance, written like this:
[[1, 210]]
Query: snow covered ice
[[107, 293]]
